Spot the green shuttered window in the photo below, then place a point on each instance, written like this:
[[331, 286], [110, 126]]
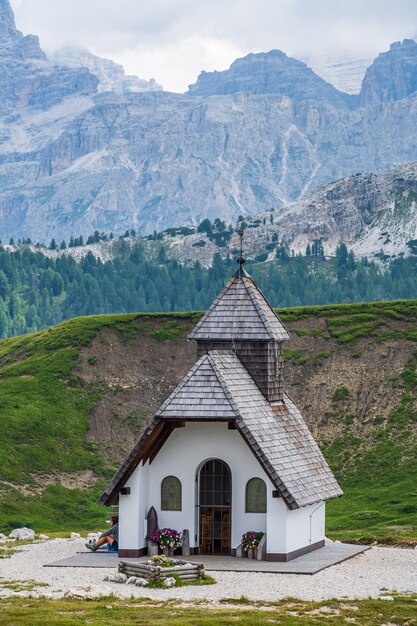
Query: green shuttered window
[[171, 494], [255, 496]]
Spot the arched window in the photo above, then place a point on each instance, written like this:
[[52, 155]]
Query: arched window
[[255, 496], [171, 494]]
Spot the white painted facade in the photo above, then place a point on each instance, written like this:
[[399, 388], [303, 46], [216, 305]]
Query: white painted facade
[[182, 456]]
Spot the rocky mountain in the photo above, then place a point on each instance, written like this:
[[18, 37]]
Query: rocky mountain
[[13, 44], [375, 215], [392, 76], [270, 73], [111, 75], [75, 158], [29, 82]]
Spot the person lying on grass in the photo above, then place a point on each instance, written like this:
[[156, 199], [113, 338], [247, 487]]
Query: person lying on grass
[[110, 536]]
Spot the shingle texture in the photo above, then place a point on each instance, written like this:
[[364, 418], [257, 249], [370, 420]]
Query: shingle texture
[[240, 312], [219, 387], [199, 395]]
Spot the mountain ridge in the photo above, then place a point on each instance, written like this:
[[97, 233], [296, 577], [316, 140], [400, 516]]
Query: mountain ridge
[[375, 215], [74, 160], [270, 72], [111, 75]]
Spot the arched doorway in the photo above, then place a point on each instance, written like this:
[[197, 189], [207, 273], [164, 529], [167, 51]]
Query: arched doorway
[[214, 507]]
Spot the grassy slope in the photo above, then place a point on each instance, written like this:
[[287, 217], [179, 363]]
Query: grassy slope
[[44, 417], [44, 412], [289, 612]]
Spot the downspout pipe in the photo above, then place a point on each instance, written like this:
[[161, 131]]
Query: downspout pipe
[[319, 506]]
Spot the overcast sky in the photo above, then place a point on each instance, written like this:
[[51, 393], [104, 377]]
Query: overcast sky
[[173, 40]]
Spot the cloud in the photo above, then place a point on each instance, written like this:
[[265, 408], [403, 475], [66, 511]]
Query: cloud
[[172, 40]]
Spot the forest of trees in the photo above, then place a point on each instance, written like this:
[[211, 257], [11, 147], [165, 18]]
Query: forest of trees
[[37, 292]]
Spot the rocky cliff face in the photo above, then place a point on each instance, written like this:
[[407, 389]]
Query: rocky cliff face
[[29, 81], [73, 160], [375, 215], [111, 75], [392, 76], [12, 43]]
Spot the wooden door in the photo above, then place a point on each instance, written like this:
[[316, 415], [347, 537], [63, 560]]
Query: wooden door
[[214, 505]]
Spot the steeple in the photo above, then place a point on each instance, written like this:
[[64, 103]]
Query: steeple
[[241, 320]]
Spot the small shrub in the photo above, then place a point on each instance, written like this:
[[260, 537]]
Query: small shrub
[[162, 561], [92, 360], [408, 508], [323, 355], [341, 394], [366, 515], [349, 419]]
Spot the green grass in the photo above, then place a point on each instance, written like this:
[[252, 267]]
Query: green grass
[[289, 612], [198, 582], [299, 357], [44, 412], [341, 394], [379, 473], [397, 309]]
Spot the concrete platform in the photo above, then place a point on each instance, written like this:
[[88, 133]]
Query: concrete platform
[[309, 564]]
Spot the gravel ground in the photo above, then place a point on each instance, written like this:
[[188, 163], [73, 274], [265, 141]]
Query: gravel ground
[[376, 572]]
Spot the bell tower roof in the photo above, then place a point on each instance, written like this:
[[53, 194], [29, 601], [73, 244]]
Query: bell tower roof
[[240, 313]]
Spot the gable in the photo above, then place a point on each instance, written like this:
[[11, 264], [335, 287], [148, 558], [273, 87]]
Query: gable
[[199, 396]]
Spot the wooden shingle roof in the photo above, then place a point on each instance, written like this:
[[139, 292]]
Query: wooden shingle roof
[[199, 395], [219, 387], [240, 312]]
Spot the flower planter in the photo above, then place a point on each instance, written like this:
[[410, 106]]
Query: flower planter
[[250, 542], [168, 540], [155, 573]]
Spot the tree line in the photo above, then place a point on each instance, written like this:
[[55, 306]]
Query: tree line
[[37, 292]]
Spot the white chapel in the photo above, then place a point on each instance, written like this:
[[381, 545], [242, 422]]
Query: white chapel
[[228, 451]]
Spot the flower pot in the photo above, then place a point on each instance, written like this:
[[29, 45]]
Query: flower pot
[[167, 551], [255, 553], [250, 553]]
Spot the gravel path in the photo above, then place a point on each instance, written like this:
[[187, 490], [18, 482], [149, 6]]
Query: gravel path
[[377, 571]]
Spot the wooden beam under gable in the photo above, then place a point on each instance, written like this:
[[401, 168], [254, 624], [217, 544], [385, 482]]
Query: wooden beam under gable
[[160, 441], [150, 441]]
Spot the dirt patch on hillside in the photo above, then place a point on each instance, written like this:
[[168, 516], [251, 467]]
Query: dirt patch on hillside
[[359, 382], [133, 377], [76, 480], [333, 383]]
